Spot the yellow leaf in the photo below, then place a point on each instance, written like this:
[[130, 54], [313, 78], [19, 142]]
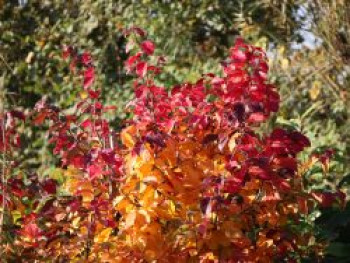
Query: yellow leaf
[[41, 43], [219, 164], [127, 136], [209, 257], [146, 215], [148, 197], [264, 242], [130, 219], [57, 174], [172, 207], [83, 95], [122, 205], [75, 222], [315, 90], [281, 50], [145, 169], [153, 180], [142, 187], [86, 190], [285, 64], [232, 141], [103, 236], [16, 215], [117, 200], [30, 57], [261, 42]]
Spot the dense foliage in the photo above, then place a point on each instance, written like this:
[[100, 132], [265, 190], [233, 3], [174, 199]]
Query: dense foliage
[[196, 36], [188, 178], [307, 43]]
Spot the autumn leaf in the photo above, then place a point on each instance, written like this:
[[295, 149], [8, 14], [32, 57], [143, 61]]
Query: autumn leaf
[[147, 47], [103, 236]]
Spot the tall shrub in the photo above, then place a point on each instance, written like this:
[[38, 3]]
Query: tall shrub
[[188, 179]]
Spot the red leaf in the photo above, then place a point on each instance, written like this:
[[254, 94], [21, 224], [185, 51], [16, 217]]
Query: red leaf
[[110, 107], [325, 157], [141, 69], [239, 55], [257, 171], [18, 114], [94, 171], [94, 94], [256, 117], [98, 105], [300, 141], [286, 162], [328, 199], [89, 77], [67, 51], [85, 124], [283, 185], [49, 186], [17, 187], [86, 59], [17, 140], [131, 61], [137, 30], [77, 161], [147, 47], [108, 156], [39, 119], [216, 81], [31, 230]]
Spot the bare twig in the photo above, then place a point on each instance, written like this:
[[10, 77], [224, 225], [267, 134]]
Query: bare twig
[[3, 168]]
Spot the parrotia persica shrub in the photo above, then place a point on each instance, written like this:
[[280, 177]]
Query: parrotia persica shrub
[[187, 180]]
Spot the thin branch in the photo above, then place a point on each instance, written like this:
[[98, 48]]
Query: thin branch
[[3, 170], [7, 64]]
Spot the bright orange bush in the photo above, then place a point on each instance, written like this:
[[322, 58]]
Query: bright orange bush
[[188, 179]]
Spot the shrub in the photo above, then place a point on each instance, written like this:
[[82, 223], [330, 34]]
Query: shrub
[[188, 179]]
